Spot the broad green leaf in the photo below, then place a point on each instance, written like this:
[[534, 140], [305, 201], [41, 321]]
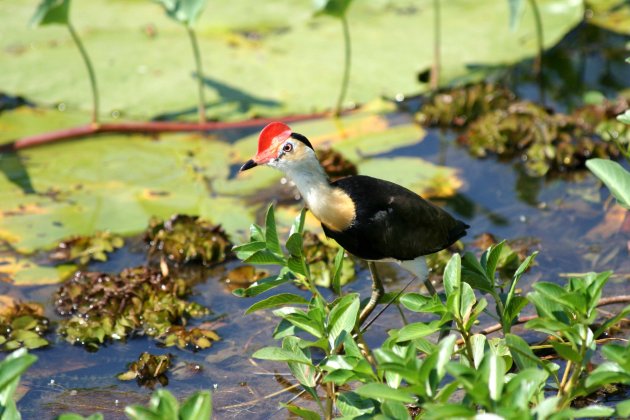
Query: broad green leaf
[[593, 411], [334, 8], [496, 375], [271, 233], [138, 412], [566, 352], [165, 404], [616, 178], [522, 354], [343, 317], [294, 244], [352, 404], [280, 299], [491, 258], [247, 250], [281, 355], [14, 365], [383, 392], [264, 257], [618, 354], [625, 117], [184, 11], [336, 280], [395, 410], [304, 373], [417, 330], [452, 276], [304, 322], [302, 413], [261, 286], [474, 274], [623, 409], [51, 11], [447, 411], [198, 406]]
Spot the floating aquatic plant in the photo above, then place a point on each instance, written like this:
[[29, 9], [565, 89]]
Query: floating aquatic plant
[[148, 370], [23, 325], [335, 164], [83, 249], [139, 300], [182, 239]]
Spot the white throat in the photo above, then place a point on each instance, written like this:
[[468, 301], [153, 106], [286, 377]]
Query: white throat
[[332, 206]]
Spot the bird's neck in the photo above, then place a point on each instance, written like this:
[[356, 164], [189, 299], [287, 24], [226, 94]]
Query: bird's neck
[[331, 205]]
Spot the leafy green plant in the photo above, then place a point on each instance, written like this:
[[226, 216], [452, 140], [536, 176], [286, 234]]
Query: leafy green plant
[[616, 178], [460, 375], [58, 12], [339, 9], [23, 325], [11, 368], [84, 249], [148, 370], [186, 12]]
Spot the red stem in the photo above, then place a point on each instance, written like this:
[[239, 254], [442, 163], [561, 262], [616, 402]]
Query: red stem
[[144, 127]]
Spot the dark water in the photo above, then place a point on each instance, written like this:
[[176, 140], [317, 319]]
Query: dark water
[[564, 218]]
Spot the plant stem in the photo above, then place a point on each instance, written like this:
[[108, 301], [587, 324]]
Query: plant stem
[[541, 45], [347, 63], [90, 69], [436, 66], [201, 107]]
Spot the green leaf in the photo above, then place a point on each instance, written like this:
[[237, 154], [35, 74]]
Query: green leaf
[[395, 410], [298, 223], [294, 244], [261, 286], [198, 406], [302, 413], [165, 404], [593, 411], [247, 250], [51, 11], [616, 178], [351, 404], [618, 354], [623, 409], [14, 365], [334, 8], [343, 317], [305, 323], [417, 302], [336, 280], [184, 11], [271, 233], [566, 352], [73, 416], [281, 299], [452, 276], [625, 117], [491, 258], [138, 412], [495, 366], [474, 274], [522, 354], [305, 373], [383, 392], [417, 330], [265, 257], [281, 355]]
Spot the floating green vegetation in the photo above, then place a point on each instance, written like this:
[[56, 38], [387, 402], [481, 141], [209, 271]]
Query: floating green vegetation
[[320, 259], [83, 249], [195, 338], [335, 164], [457, 107], [182, 239], [138, 300], [148, 370], [23, 325], [497, 123]]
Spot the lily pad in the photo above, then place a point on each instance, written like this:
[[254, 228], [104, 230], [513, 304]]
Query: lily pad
[[260, 63]]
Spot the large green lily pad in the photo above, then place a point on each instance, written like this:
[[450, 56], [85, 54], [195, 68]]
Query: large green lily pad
[[263, 58]]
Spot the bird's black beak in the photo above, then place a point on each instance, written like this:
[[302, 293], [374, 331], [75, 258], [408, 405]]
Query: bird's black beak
[[248, 165]]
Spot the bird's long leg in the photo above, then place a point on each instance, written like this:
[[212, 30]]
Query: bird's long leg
[[377, 292]]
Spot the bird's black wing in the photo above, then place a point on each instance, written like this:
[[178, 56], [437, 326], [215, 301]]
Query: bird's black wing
[[393, 222]]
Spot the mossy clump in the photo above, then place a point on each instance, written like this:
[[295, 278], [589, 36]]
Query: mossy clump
[[183, 239], [23, 325], [457, 107], [544, 141], [139, 300], [83, 249], [320, 257], [335, 164], [148, 370]]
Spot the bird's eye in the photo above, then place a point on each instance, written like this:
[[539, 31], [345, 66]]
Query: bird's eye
[[288, 147]]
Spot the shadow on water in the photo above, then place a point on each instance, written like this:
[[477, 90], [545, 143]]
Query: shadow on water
[[12, 166]]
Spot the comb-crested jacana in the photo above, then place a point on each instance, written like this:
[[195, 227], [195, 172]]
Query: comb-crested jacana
[[371, 218]]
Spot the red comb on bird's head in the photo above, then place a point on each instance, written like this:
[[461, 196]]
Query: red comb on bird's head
[[273, 131]]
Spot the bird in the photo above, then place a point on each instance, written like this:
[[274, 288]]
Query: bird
[[371, 218]]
